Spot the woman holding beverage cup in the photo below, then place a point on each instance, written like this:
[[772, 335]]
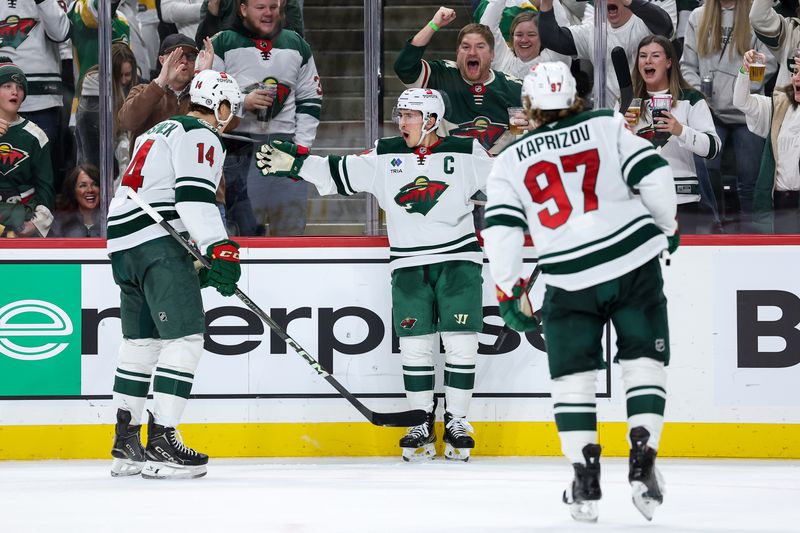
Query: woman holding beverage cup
[[776, 204], [676, 118]]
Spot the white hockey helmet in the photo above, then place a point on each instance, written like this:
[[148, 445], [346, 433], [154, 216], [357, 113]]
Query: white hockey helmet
[[549, 86], [427, 101], [210, 88]]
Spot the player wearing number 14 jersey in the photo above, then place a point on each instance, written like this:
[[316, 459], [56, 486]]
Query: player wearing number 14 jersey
[[600, 207], [176, 167]]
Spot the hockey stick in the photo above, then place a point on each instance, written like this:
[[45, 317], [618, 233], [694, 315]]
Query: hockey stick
[[404, 418], [623, 71], [501, 337]]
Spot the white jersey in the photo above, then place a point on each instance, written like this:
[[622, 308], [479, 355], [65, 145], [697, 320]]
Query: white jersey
[[425, 193], [176, 167], [571, 183]]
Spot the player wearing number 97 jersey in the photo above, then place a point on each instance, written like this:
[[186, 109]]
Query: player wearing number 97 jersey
[[176, 167], [600, 207]]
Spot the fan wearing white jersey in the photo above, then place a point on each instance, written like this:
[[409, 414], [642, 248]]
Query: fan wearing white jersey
[[175, 167], [424, 183], [600, 207]]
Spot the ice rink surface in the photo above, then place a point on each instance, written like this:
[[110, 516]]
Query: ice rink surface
[[381, 495]]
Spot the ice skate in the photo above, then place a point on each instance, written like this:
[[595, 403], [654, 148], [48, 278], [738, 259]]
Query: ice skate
[[127, 449], [644, 477], [167, 456], [457, 441], [584, 491], [418, 442]]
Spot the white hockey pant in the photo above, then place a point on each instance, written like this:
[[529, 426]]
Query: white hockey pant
[[575, 410], [169, 363], [416, 356], [645, 382], [461, 352], [137, 358]]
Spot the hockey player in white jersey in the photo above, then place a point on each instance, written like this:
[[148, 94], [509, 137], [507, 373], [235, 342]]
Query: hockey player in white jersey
[[424, 183], [176, 167], [600, 206]]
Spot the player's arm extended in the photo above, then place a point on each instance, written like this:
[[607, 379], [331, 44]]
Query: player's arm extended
[[196, 179], [343, 175]]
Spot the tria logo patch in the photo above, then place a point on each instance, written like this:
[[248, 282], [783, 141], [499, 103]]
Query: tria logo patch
[[10, 158], [408, 323], [14, 31], [421, 195], [484, 130]]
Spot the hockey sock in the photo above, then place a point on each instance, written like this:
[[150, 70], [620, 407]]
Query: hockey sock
[[416, 355], [461, 352], [174, 377], [575, 411], [645, 382], [137, 357]]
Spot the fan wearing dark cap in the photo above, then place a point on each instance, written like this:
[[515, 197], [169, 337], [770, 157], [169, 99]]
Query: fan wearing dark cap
[[168, 95], [26, 173]]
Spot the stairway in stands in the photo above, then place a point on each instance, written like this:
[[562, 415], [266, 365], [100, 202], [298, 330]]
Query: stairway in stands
[[335, 31]]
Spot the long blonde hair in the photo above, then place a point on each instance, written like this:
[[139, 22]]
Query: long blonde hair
[[709, 32]]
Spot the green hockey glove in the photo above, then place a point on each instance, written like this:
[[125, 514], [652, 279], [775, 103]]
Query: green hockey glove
[[516, 308], [281, 158], [673, 241], [225, 270]]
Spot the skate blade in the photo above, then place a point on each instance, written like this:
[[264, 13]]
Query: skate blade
[[126, 467], [156, 470], [586, 511], [456, 454], [423, 453], [643, 503]]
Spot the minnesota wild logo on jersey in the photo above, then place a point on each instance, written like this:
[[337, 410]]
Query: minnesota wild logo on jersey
[[658, 138], [421, 195], [10, 158], [14, 30], [281, 94], [481, 128]]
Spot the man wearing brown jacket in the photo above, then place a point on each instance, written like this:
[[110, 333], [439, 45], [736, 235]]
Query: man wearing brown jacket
[[148, 104]]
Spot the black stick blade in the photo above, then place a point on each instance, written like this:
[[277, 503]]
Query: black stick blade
[[414, 417], [623, 72]]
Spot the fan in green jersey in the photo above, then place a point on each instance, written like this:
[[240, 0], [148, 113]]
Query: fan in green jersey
[[26, 171]]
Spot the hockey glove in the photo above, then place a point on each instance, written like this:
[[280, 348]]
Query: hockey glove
[[281, 158], [673, 241], [225, 270], [516, 308]]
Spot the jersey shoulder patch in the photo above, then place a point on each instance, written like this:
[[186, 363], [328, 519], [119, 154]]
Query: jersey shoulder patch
[[36, 132], [459, 145], [193, 123], [392, 145], [691, 95]]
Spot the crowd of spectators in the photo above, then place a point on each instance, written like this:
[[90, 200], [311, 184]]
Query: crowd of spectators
[[730, 137]]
